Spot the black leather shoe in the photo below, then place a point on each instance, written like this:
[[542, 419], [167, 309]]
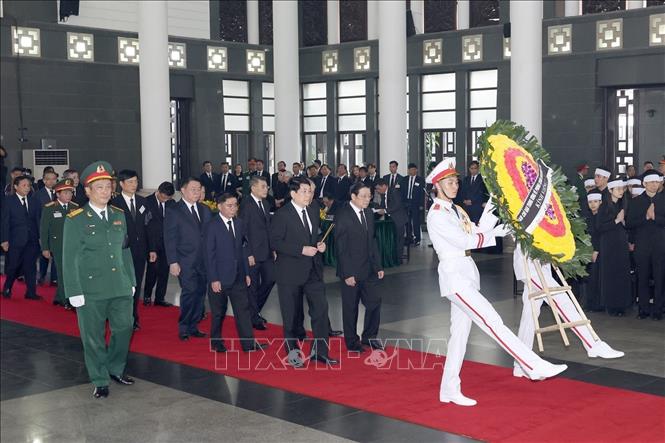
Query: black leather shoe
[[56, 303], [183, 337], [656, 317], [163, 303], [122, 379], [374, 344], [642, 315], [68, 306], [327, 360], [256, 347], [100, 392], [219, 347], [6, 293], [334, 333], [137, 326], [33, 297], [259, 326], [198, 334], [263, 319], [147, 302]]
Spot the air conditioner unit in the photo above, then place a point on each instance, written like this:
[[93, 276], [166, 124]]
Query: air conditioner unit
[[38, 159]]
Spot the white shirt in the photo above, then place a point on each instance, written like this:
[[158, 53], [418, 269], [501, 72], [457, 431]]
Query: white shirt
[[189, 208], [323, 184], [357, 210], [63, 204], [51, 193], [98, 211], [299, 210], [221, 181], [128, 199], [21, 199], [412, 181], [160, 205]]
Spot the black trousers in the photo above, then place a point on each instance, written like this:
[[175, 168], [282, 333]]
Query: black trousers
[[366, 291], [263, 280], [290, 297], [157, 272], [23, 259], [193, 289], [139, 271], [219, 303], [650, 261], [415, 220], [399, 239]]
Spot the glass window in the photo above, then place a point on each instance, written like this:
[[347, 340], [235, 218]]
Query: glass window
[[482, 106], [314, 107], [438, 101], [315, 124], [236, 105], [351, 105], [351, 88], [235, 88], [236, 123], [351, 122], [269, 106], [483, 99], [314, 90], [483, 79], [442, 119], [438, 82], [268, 90]]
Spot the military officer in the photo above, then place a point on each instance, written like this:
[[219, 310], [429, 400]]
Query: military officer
[[453, 234], [51, 228], [99, 279]]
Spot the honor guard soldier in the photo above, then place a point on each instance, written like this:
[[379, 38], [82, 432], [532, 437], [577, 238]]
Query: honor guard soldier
[[99, 279], [51, 229], [453, 235]]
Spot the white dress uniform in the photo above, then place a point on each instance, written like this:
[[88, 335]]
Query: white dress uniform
[[569, 312], [453, 234]]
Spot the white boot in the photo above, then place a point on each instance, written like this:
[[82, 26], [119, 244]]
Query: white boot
[[518, 372], [458, 399], [603, 350], [547, 370]]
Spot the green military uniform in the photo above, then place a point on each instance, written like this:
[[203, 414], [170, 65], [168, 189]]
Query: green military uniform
[[97, 264], [246, 178], [50, 235]]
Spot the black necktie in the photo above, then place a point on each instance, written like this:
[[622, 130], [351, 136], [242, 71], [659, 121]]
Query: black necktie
[[411, 187], [25, 205], [323, 186], [455, 209], [231, 228], [392, 181], [383, 201], [161, 208], [132, 208], [65, 208], [263, 212], [363, 219], [196, 216], [473, 178], [304, 221], [103, 214]]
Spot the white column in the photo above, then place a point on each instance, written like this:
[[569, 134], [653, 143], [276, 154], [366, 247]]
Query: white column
[[464, 14], [392, 84], [332, 12], [154, 93], [287, 81], [526, 91], [571, 8], [253, 22], [373, 19], [418, 13], [634, 4]]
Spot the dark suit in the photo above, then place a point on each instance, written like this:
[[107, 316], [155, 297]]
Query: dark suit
[[342, 187], [274, 179], [45, 196], [413, 194], [79, 196], [297, 273], [393, 183], [21, 230], [226, 262], [397, 212], [210, 184], [325, 187], [183, 239], [477, 193], [358, 256], [257, 223], [139, 241], [157, 272], [265, 174], [229, 186]]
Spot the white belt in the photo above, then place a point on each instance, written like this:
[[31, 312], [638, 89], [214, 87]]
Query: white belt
[[454, 254]]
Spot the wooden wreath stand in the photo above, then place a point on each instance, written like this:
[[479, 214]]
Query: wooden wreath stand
[[547, 293]]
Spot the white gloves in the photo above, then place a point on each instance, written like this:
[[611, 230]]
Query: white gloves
[[488, 219], [133, 290], [500, 231], [77, 301]]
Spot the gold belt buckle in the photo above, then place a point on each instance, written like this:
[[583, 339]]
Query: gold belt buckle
[[467, 253]]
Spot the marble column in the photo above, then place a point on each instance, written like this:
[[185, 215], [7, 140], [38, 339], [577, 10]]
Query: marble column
[[373, 19], [463, 14], [634, 4], [571, 8], [392, 84], [287, 81], [332, 11], [418, 14], [154, 93], [253, 22], [526, 79]]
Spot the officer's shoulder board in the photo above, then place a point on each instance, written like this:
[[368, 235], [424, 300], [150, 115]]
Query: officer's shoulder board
[[117, 208], [49, 204], [75, 212], [436, 207]]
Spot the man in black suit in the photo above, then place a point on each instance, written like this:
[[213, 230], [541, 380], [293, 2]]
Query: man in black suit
[[329, 204], [342, 184], [393, 179], [255, 213], [390, 203], [41, 183], [209, 180], [19, 237], [137, 217], [227, 181], [158, 271], [261, 172], [16, 171], [299, 269], [325, 185], [413, 193], [274, 180], [227, 271], [359, 268], [45, 195], [297, 169], [79, 193], [473, 194], [183, 239]]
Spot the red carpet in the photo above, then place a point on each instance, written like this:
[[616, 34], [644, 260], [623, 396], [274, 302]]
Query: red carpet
[[508, 409]]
